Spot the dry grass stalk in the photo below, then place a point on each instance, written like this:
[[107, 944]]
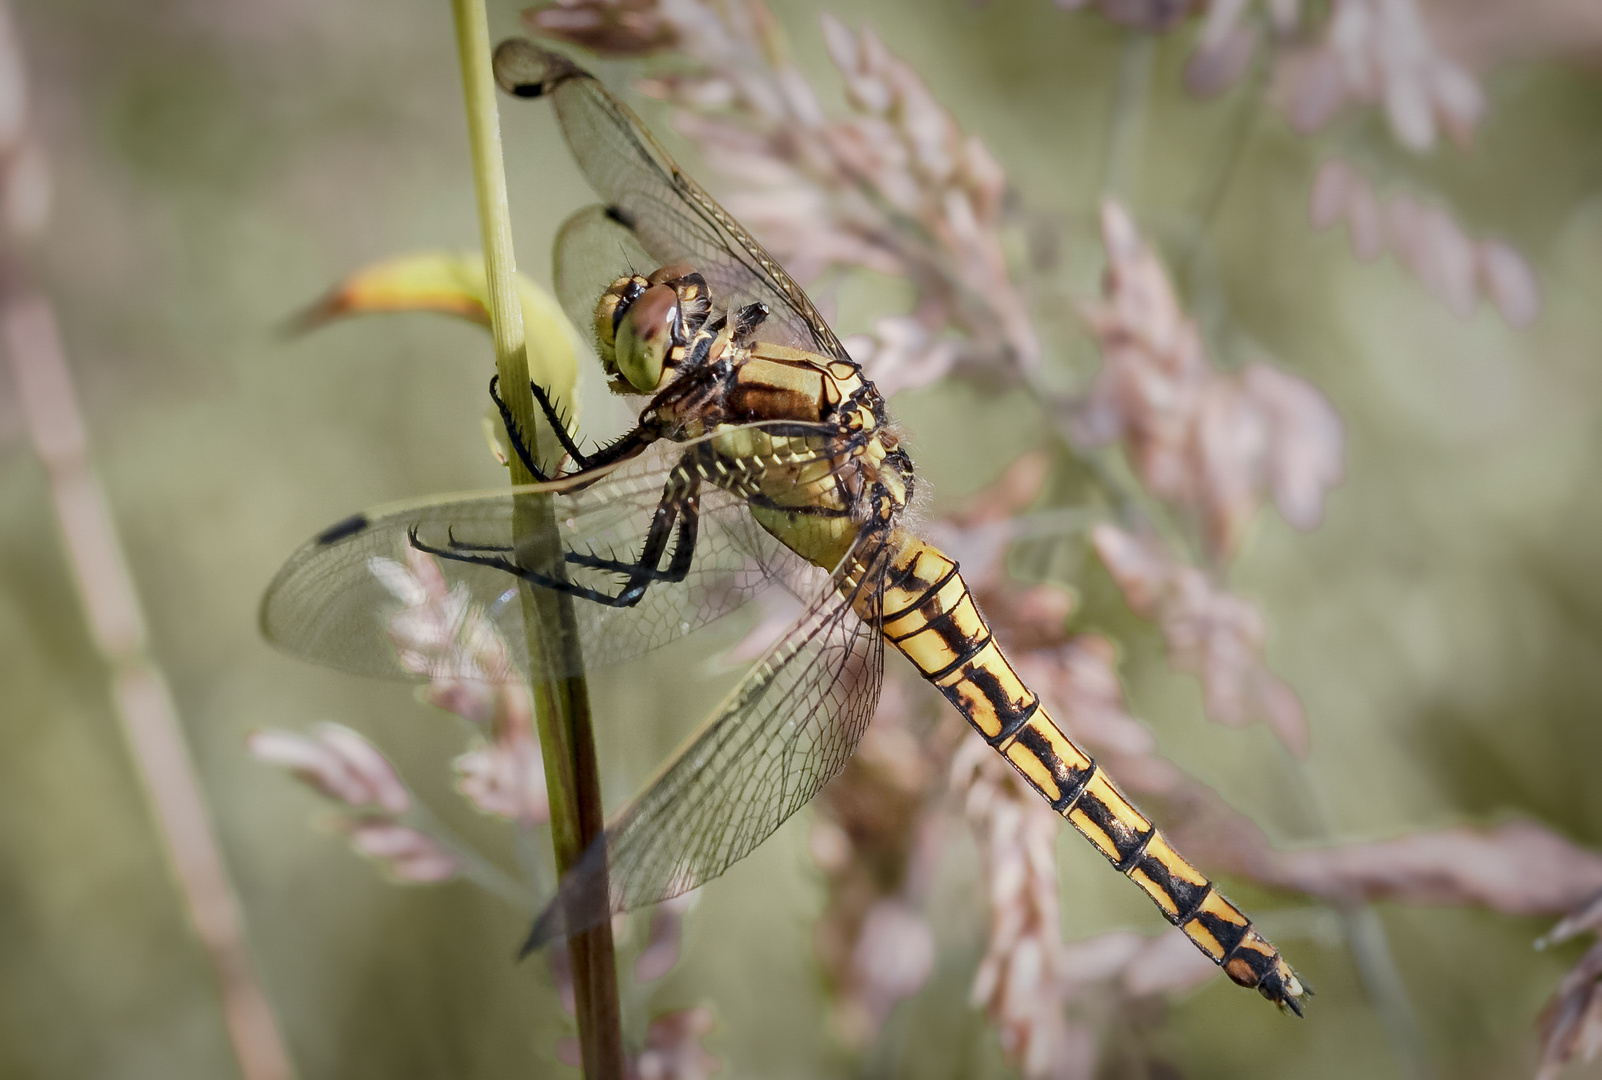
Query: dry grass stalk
[[341, 765], [1485, 34], [1385, 53], [1212, 634], [1518, 868], [439, 633], [1381, 52], [1361, 52], [1155, 16], [144, 706], [1571, 1022]]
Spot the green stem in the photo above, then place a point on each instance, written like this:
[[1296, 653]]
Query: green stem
[[561, 700]]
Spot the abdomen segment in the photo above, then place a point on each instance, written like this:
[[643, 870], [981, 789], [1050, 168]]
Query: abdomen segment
[[931, 617]]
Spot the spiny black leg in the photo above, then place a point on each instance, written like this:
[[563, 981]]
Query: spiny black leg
[[625, 447], [468, 545], [679, 496], [689, 531], [514, 433], [677, 493], [534, 577], [628, 445], [683, 550], [559, 425]]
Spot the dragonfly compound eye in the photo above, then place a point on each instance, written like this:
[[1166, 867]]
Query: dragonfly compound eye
[[695, 302], [609, 311], [648, 329], [671, 273]]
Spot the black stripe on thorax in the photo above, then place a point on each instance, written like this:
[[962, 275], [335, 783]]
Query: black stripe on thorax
[[699, 347], [849, 403]]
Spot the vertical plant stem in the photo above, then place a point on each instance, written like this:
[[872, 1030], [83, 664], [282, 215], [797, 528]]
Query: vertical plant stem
[[561, 699], [145, 708]]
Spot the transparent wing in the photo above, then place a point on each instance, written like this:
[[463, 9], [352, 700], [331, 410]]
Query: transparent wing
[[781, 734], [592, 251], [363, 597], [670, 215]]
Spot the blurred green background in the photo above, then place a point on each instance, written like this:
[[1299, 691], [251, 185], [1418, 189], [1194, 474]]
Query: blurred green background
[[219, 164]]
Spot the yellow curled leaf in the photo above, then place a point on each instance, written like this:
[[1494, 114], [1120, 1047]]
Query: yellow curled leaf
[[454, 284]]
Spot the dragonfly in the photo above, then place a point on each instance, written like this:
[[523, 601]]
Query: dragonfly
[[762, 459]]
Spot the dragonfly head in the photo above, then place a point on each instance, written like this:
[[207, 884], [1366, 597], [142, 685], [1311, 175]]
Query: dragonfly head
[[642, 324]]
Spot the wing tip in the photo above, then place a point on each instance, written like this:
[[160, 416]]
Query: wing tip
[[524, 69], [541, 934]]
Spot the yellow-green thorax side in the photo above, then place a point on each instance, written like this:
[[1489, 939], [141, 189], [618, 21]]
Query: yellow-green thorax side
[[814, 492]]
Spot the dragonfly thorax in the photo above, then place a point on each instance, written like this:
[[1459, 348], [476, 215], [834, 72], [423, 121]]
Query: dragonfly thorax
[[642, 325]]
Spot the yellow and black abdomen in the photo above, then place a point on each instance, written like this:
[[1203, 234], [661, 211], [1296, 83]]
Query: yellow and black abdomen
[[931, 617]]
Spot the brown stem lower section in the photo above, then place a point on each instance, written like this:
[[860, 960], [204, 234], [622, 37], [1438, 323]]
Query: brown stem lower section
[[591, 952]]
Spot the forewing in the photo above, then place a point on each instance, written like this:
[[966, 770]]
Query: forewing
[[780, 735], [361, 596], [673, 218]]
